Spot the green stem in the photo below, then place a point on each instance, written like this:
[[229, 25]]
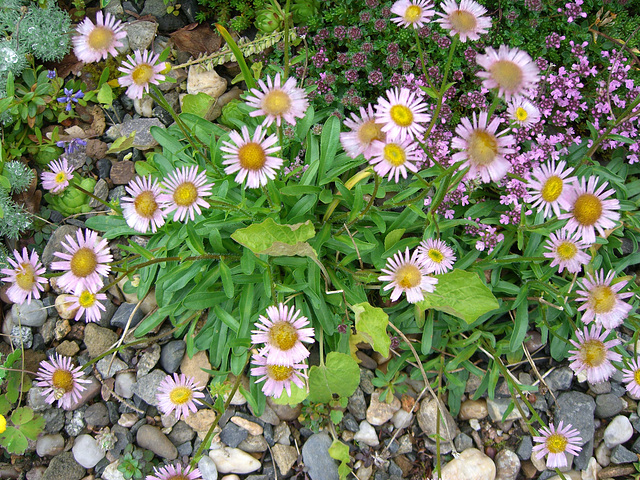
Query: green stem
[[441, 93], [366, 208], [106, 204], [422, 62], [286, 39], [493, 106], [511, 260]]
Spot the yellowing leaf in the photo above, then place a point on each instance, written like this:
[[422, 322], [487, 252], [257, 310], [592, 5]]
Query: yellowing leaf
[[371, 323]]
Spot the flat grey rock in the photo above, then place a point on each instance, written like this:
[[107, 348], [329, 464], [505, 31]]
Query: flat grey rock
[[577, 409], [315, 455]]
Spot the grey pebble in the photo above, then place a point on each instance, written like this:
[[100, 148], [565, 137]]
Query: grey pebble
[[620, 454], [582, 460], [97, 415], [153, 439], [462, 442], [350, 423], [64, 467], [147, 386], [525, 448], [560, 379], [172, 354], [208, 468], [21, 337], [75, 423], [357, 405], [180, 433], [608, 405], [29, 314], [124, 311], [315, 455], [53, 420], [600, 388], [232, 435], [577, 409]]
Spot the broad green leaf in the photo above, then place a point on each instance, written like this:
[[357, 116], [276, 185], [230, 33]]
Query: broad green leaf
[[105, 95], [461, 294], [14, 440], [123, 143], [21, 415], [340, 375], [270, 238], [298, 395], [393, 237], [33, 428], [372, 323], [198, 104], [340, 452]]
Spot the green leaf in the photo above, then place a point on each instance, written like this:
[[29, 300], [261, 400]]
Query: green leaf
[[105, 95], [237, 53], [270, 238], [21, 415], [298, 395], [340, 375], [198, 104], [372, 323], [5, 405], [227, 281], [340, 451], [33, 428], [461, 294], [123, 143], [393, 237], [521, 327], [14, 440]]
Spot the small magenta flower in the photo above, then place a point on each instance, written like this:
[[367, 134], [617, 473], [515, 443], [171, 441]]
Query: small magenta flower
[[437, 255], [556, 443], [24, 277], [407, 274], [593, 355], [177, 472], [70, 98], [57, 180], [282, 331], [61, 381], [179, 395], [631, 376], [277, 377]]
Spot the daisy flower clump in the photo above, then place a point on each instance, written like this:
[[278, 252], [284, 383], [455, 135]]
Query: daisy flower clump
[[567, 251], [84, 262], [96, 42], [407, 274], [591, 209], [523, 113], [482, 148], [62, 381], [394, 158], [468, 20], [251, 157], [412, 13], [179, 395], [549, 188], [364, 131], [183, 193], [141, 71], [57, 180], [277, 378], [436, 255], [555, 443], [631, 376], [602, 301], [24, 276], [509, 70], [277, 102], [401, 114], [593, 356], [174, 472], [142, 209]]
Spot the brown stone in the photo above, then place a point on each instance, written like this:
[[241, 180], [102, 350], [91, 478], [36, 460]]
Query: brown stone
[[473, 409], [122, 172], [68, 348], [96, 149], [192, 367]]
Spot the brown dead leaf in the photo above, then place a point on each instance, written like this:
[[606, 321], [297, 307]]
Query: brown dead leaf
[[69, 64], [197, 39]]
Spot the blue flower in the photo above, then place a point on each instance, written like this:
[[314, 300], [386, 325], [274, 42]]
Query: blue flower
[[51, 74], [70, 98], [73, 145]]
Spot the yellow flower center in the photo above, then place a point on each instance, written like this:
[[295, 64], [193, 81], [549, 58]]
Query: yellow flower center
[[62, 381], [602, 299], [252, 156], [84, 262], [401, 115], [462, 21], [556, 443], [588, 209], [276, 102], [394, 154], [594, 353], [506, 74], [87, 299], [412, 13], [567, 250], [521, 114], [180, 395], [60, 177], [483, 147], [186, 194], [279, 373], [552, 189], [408, 276], [435, 255], [100, 38], [283, 335], [145, 204], [25, 276], [178, 477], [636, 376], [142, 74], [370, 131], [3, 424]]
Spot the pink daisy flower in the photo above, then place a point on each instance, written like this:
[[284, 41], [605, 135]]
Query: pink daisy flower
[[557, 442], [141, 71], [394, 158], [593, 355], [401, 114], [483, 149], [89, 303], [179, 394], [523, 113], [84, 263], [567, 251], [467, 20], [591, 209], [58, 178], [25, 279], [61, 380], [549, 188], [510, 70], [282, 331], [96, 42], [437, 256], [601, 300], [407, 274], [184, 191], [278, 377], [631, 376], [278, 102], [412, 13], [177, 472], [364, 130], [142, 209], [251, 157]]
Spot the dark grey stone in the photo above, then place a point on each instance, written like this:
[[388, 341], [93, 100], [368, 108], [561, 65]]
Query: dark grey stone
[[394, 469], [461, 442], [137, 425], [600, 388], [123, 437], [524, 449], [117, 193], [365, 381], [172, 354], [577, 409], [608, 405], [185, 449], [546, 474], [618, 390], [104, 167], [357, 405], [162, 115], [121, 317], [53, 420], [100, 466], [38, 342], [560, 379], [350, 423], [381, 475], [21, 337], [114, 415], [267, 433], [97, 415], [232, 435], [582, 460], [393, 447], [636, 445], [64, 467], [315, 455], [180, 433], [620, 454]]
